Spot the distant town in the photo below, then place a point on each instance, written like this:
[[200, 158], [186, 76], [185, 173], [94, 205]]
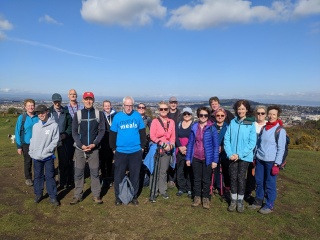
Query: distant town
[[291, 114]]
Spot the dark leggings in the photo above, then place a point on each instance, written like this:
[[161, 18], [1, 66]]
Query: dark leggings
[[238, 170]]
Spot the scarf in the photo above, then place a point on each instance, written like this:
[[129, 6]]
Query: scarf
[[270, 125]]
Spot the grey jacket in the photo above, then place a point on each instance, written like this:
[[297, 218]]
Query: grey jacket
[[44, 139]]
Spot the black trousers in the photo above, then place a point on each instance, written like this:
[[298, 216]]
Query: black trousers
[[184, 174], [27, 161], [202, 178]]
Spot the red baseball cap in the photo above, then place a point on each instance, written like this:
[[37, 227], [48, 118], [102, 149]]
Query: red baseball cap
[[88, 95]]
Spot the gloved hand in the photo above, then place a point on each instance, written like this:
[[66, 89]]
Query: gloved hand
[[275, 170]]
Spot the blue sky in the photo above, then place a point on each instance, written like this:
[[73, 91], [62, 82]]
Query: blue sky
[[255, 49]]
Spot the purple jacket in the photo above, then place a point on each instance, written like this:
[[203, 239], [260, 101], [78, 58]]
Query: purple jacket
[[210, 143]]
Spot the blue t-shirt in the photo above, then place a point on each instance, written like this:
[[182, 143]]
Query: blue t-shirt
[[127, 128]]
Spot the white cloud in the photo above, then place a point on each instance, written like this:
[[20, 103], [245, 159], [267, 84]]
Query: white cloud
[[307, 7], [5, 24], [213, 13], [46, 18], [4, 90], [122, 12]]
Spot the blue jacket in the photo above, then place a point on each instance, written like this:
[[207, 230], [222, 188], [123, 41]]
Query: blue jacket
[[27, 134], [267, 148], [240, 138], [222, 132], [210, 143]]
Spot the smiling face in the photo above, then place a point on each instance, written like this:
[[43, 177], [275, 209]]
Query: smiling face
[[141, 109], [214, 105], [203, 116], [72, 95], [242, 111], [163, 110], [273, 115], [127, 105], [43, 116], [260, 115], [88, 102], [220, 117], [173, 105], [29, 106], [107, 107]]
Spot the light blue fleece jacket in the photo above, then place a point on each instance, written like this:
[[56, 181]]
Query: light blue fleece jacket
[[44, 139], [26, 135], [267, 148], [241, 139]]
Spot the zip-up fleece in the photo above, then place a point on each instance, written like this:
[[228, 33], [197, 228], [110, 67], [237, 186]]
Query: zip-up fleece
[[44, 139], [91, 132], [28, 124], [240, 138], [210, 143]]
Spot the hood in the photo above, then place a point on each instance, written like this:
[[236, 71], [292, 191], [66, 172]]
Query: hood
[[49, 121]]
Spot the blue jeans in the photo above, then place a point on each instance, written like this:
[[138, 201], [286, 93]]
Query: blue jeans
[[39, 167], [124, 162], [266, 183]]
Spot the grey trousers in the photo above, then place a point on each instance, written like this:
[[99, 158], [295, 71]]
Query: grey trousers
[[80, 159], [161, 181]]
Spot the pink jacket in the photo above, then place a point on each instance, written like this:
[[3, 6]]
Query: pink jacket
[[157, 132]]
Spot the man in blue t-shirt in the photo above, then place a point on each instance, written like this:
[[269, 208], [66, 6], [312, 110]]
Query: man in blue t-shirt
[[127, 140]]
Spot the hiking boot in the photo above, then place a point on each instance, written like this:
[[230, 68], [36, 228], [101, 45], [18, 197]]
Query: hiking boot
[[135, 202], [97, 200], [29, 182], [240, 206], [75, 200], [171, 184], [179, 193], [118, 203], [165, 196], [265, 210], [254, 206], [233, 205], [37, 198], [196, 201], [153, 199], [205, 203], [54, 202]]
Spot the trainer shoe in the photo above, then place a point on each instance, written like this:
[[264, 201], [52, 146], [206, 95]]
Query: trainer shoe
[[37, 198], [265, 210], [254, 207], [233, 205], [118, 203], [189, 194], [135, 202], [165, 196], [75, 200], [97, 200], [54, 202], [179, 193], [240, 206], [29, 182], [153, 199]]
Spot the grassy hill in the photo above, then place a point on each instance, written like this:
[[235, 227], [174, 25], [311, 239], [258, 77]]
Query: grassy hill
[[296, 215]]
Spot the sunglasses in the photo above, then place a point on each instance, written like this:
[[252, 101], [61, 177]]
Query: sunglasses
[[141, 107], [186, 114], [219, 115], [163, 109], [261, 113], [203, 115]]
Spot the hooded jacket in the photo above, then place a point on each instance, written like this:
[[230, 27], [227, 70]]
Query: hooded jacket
[[210, 143], [240, 138], [27, 133], [44, 139]]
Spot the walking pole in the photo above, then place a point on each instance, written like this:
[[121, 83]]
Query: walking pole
[[212, 183], [221, 183]]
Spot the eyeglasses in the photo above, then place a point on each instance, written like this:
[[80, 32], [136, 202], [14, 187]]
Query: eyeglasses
[[128, 105], [163, 109], [203, 115], [261, 113], [219, 115], [141, 107], [186, 114]]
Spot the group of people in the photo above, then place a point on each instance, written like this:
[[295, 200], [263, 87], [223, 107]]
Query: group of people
[[178, 150]]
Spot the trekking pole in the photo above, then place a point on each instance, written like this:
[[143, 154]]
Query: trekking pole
[[221, 183], [212, 182], [153, 186]]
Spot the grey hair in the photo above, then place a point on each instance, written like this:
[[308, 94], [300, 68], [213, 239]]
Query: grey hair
[[260, 106], [128, 97]]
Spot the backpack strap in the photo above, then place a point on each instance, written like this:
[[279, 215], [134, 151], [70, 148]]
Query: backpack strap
[[168, 123], [24, 117], [277, 133], [79, 116]]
